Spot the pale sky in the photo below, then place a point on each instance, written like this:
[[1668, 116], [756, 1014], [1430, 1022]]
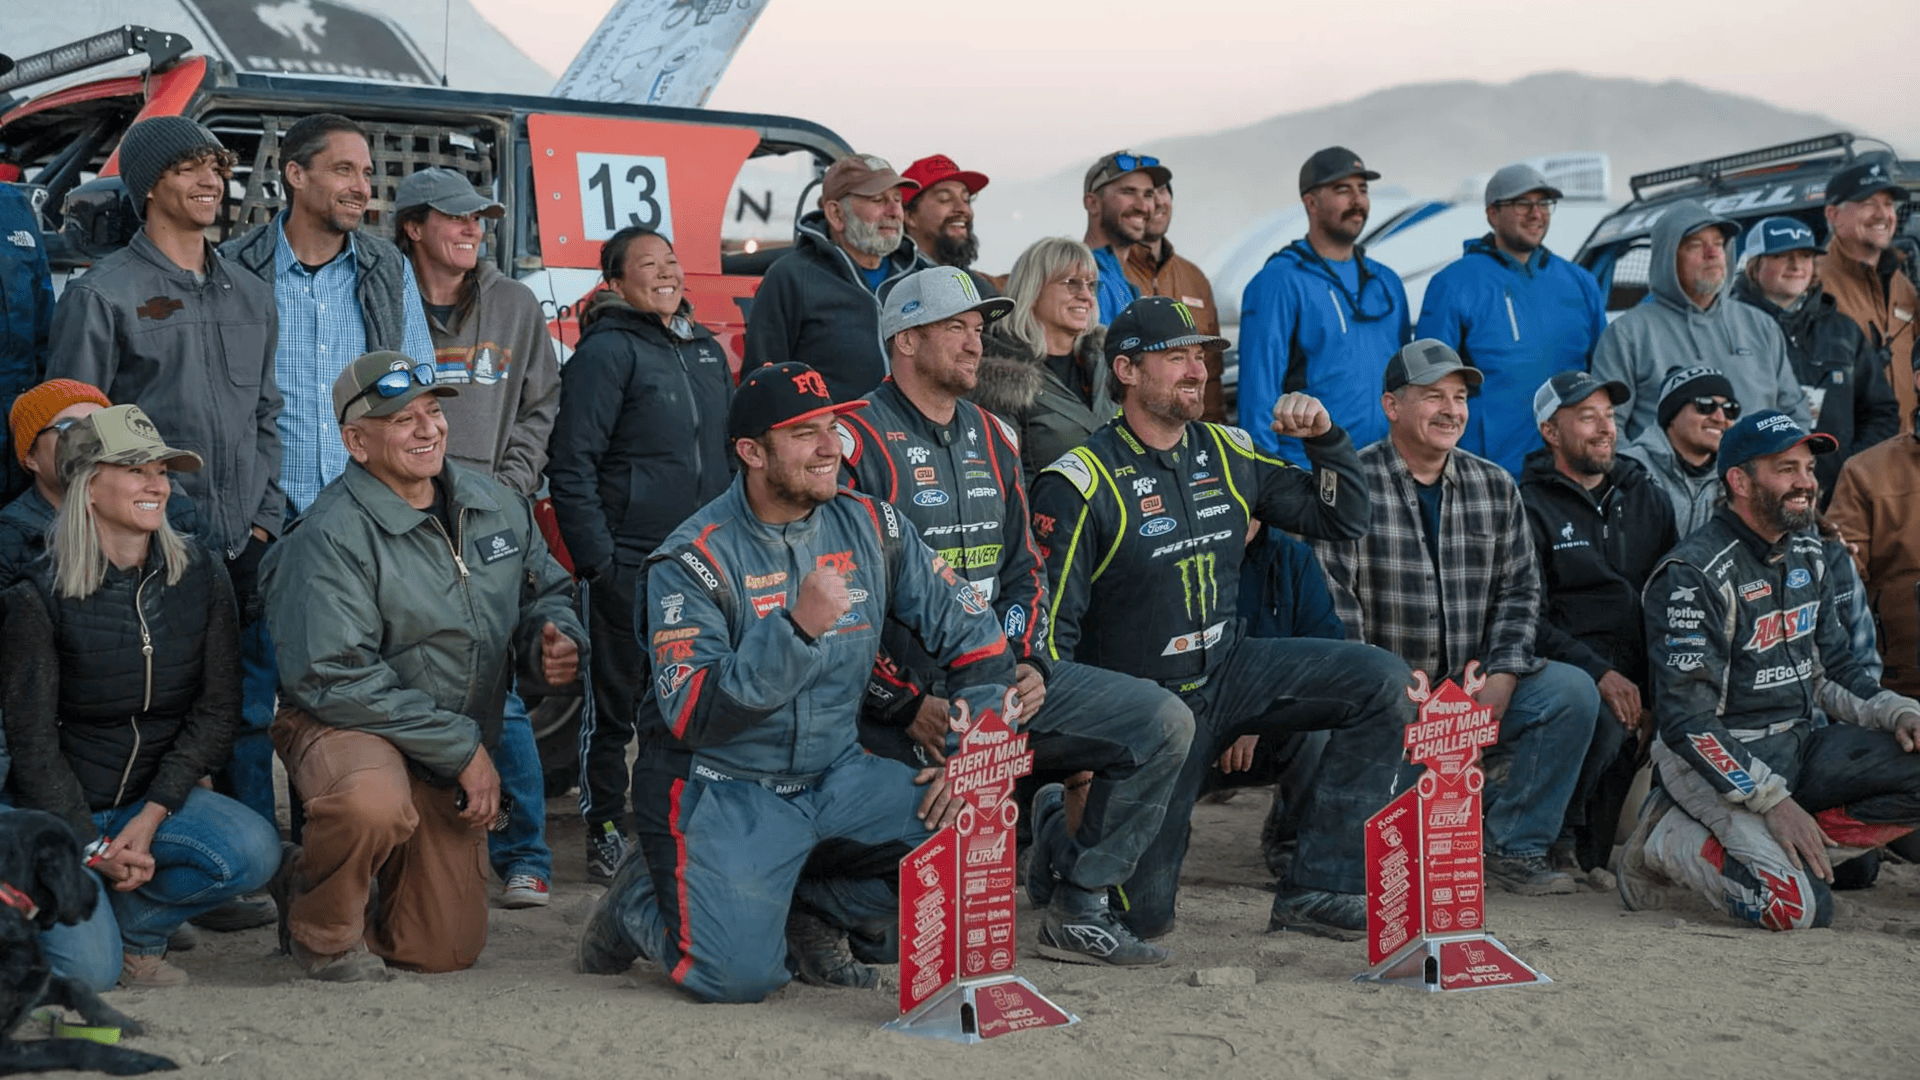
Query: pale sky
[[1025, 86]]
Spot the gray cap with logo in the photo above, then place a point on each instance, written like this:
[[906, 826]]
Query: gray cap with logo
[[122, 435], [934, 294], [1425, 362]]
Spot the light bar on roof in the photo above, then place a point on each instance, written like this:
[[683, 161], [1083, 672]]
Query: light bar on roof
[[103, 48], [1704, 170]]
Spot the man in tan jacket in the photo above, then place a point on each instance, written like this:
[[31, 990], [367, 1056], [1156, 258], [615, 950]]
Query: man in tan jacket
[[1863, 273], [1876, 506], [1153, 268]]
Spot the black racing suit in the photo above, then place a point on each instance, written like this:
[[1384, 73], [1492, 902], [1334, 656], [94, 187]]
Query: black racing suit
[[960, 484], [1743, 643], [1143, 550]]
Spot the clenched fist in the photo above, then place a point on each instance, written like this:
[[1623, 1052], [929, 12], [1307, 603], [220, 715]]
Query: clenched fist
[[1300, 416], [823, 599]]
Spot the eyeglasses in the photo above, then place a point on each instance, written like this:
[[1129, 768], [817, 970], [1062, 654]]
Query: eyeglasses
[[392, 385], [1130, 162], [1705, 406], [57, 427], [1088, 285], [1529, 205]]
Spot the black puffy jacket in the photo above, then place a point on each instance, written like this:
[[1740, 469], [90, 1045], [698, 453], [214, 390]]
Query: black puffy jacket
[[130, 694], [1594, 559], [1838, 366], [640, 440]]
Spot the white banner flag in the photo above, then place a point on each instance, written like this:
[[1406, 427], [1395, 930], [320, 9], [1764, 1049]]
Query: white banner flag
[[659, 52]]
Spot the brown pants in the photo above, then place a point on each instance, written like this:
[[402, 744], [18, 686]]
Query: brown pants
[[368, 816]]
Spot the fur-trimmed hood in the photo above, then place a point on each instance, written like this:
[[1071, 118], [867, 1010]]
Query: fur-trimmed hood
[[1011, 379]]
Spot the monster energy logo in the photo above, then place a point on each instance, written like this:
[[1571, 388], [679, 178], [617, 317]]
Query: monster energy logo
[[1200, 583], [1185, 313]]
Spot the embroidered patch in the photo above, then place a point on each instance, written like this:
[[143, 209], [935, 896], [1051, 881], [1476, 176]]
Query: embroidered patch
[[500, 545]]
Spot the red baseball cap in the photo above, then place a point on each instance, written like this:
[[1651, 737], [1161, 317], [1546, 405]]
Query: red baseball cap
[[934, 168]]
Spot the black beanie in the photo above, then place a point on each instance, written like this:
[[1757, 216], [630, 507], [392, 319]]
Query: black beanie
[[152, 145], [1685, 384]]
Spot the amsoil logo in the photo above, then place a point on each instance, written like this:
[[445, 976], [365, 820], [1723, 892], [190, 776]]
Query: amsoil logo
[[1777, 626], [1716, 756]]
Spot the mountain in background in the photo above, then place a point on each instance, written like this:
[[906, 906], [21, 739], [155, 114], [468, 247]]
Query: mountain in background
[[1423, 137]]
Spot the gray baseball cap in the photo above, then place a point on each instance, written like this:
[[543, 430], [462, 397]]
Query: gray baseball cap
[[446, 191], [1572, 388], [1515, 180], [937, 293], [1425, 362]]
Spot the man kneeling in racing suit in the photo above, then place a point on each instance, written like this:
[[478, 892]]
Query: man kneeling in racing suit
[[1743, 646], [954, 470], [764, 614], [1145, 529]]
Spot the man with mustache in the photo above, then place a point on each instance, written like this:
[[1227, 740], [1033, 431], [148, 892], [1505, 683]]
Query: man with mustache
[[1320, 317], [1118, 197], [940, 217], [1866, 276], [1599, 525], [1446, 576], [1691, 321], [820, 303], [1155, 269], [1742, 649]]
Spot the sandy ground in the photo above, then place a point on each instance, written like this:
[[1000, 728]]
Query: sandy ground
[[1659, 994]]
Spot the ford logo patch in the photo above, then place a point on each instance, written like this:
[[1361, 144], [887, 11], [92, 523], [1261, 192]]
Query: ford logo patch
[[1798, 578], [1157, 526], [930, 497]]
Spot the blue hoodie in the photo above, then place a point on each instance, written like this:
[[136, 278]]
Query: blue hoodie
[[1520, 323], [1300, 330]]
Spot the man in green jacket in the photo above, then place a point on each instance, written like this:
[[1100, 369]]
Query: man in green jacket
[[398, 603]]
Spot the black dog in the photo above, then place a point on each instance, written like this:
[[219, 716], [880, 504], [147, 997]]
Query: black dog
[[44, 882]]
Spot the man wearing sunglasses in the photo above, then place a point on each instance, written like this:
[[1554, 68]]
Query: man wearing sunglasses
[[1514, 310], [1118, 196], [400, 603], [1320, 317], [1697, 406], [1690, 320]]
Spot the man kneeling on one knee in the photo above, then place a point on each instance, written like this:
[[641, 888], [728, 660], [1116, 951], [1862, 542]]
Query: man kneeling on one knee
[[1742, 651], [399, 603]]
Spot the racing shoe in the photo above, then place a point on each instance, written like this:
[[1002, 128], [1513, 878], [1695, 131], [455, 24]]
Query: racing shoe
[[1078, 927], [1340, 916], [605, 946], [606, 850], [1528, 875], [1049, 807], [1642, 886], [819, 956]]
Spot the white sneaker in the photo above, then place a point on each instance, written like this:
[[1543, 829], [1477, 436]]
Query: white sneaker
[[525, 891]]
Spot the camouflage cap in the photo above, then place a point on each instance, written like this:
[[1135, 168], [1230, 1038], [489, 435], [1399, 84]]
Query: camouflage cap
[[121, 435]]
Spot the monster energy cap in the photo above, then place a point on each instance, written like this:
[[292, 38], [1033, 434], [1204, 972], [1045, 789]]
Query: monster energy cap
[[1155, 324], [121, 435], [936, 294]]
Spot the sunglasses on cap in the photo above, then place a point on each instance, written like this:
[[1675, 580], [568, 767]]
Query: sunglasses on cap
[[57, 427], [1130, 162], [1705, 406], [392, 385]]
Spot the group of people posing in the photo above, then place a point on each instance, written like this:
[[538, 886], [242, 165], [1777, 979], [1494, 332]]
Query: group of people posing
[[926, 499]]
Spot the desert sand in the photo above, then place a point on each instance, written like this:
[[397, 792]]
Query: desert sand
[[1678, 993]]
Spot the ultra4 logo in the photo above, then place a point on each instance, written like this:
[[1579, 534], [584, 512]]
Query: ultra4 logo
[[1777, 626]]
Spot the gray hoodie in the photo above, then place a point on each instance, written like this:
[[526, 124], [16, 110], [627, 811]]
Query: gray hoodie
[[1693, 495], [1670, 331]]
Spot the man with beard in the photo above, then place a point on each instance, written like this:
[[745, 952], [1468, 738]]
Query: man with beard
[[1599, 525], [1154, 269], [954, 470], [765, 612], [1742, 649], [940, 217], [1144, 529], [1690, 321], [820, 303], [1320, 317], [1515, 311], [1118, 197], [1446, 577], [1866, 276]]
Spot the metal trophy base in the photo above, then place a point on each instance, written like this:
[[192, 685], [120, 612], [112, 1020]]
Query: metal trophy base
[[1454, 962], [974, 1010]]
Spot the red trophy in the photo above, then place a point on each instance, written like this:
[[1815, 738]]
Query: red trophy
[[1426, 913], [957, 938]]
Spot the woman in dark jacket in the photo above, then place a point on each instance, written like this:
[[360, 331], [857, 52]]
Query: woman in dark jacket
[[122, 690], [639, 444]]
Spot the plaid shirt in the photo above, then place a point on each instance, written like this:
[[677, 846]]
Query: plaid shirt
[[321, 331], [1488, 591]]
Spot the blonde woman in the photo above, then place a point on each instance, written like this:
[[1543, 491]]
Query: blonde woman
[[122, 690]]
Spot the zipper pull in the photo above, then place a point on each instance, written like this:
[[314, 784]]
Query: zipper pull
[[461, 563]]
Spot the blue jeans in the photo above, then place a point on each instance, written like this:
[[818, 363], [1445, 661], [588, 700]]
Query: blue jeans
[[213, 849], [522, 848], [1545, 734], [250, 770], [88, 951]]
